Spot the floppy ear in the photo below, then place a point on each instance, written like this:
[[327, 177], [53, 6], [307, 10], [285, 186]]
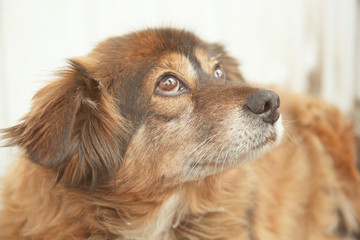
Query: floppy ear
[[74, 127]]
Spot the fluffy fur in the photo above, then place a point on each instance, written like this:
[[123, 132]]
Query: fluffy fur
[[106, 153]]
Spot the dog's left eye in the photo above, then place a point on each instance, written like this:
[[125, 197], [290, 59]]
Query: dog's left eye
[[169, 85], [219, 72]]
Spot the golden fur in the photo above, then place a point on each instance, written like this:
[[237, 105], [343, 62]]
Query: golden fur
[[106, 154]]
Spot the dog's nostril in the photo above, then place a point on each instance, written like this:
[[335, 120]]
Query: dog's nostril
[[265, 104]]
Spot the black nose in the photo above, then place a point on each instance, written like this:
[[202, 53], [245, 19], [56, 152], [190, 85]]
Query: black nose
[[265, 104]]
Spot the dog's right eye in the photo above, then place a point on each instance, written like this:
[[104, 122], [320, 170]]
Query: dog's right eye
[[169, 85]]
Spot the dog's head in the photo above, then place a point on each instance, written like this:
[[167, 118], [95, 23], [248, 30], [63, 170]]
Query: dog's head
[[160, 102]]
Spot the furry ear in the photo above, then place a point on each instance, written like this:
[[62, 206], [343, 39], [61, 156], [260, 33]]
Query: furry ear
[[73, 127]]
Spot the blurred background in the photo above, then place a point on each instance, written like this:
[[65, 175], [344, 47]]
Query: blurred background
[[307, 46]]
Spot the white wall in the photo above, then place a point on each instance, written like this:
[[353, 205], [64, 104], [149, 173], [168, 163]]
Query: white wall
[[283, 42]]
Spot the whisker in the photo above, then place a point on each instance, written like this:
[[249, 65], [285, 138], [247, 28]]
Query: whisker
[[217, 56], [201, 158], [288, 121], [222, 168], [217, 160], [204, 144], [289, 139]]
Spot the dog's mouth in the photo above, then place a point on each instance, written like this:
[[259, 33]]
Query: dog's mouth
[[264, 137], [235, 148], [276, 136], [272, 138]]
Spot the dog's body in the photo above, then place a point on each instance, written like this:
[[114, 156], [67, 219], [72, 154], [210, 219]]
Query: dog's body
[[150, 137]]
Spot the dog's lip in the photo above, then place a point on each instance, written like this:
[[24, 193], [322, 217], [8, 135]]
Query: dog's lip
[[275, 136], [279, 128]]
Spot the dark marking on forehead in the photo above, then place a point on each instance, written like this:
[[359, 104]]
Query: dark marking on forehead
[[186, 45], [178, 41], [195, 64]]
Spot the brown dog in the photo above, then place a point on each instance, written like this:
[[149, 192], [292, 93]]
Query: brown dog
[[150, 136]]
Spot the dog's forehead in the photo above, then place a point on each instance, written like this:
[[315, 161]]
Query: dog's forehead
[[151, 43], [169, 40], [173, 48]]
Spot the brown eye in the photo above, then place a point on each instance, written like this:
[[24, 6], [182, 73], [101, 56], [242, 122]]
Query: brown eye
[[219, 72], [169, 85]]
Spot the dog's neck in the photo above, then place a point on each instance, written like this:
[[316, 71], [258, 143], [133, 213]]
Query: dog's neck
[[162, 224], [141, 212], [166, 213]]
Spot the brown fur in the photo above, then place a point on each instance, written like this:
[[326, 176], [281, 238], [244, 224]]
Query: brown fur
[[106, 157]]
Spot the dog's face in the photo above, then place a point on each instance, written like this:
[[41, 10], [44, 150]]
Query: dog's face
[[159, 104]]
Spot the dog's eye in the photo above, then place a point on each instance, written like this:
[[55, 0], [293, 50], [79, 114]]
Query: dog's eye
[[169, 85], [219, 72]]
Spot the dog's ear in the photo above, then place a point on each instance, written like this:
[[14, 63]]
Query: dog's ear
[[74, 127]]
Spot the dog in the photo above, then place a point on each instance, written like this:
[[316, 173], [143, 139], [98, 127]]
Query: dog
[[156, 135]]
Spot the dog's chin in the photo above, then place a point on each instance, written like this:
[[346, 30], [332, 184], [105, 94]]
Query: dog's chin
[[274, 138]]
